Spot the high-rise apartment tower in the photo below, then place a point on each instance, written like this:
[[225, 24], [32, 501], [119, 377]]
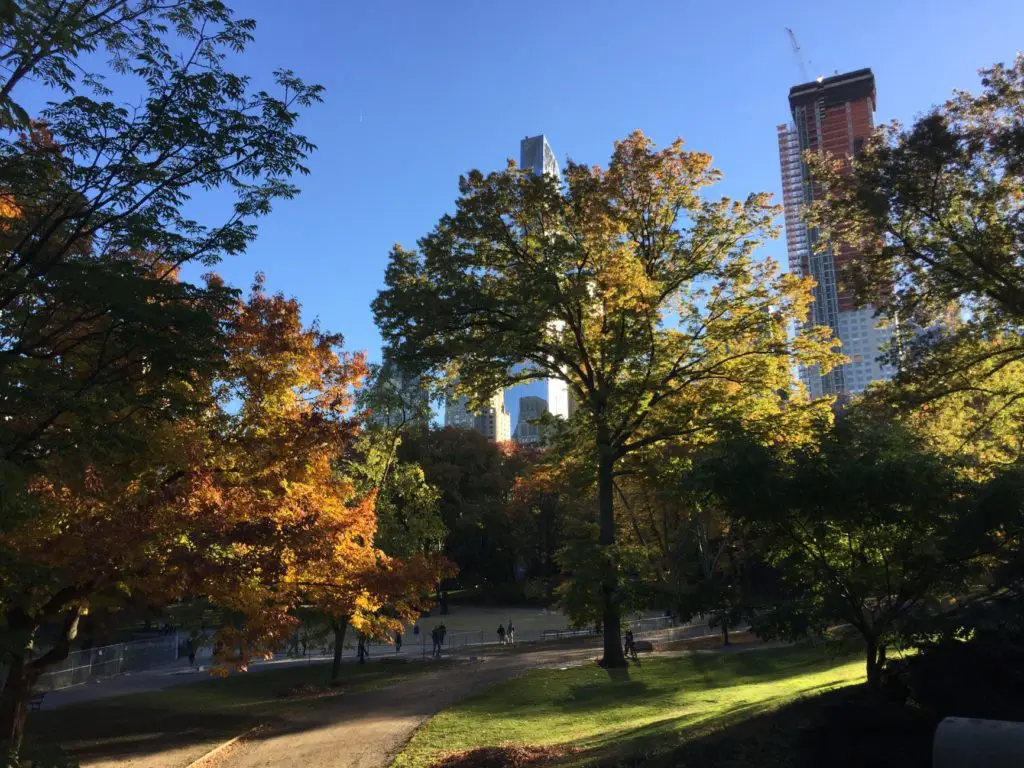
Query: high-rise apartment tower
[[832, 115], [493, 421], [536, 155]]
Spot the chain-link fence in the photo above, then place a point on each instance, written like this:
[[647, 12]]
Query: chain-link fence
[[109, 660], [659, 627]]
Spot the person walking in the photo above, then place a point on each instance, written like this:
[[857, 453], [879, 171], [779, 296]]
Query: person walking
[[501, 634], [361, 650], [441, 632], [510, 633], [398, 641], [630, 646], [191, 647], [436, 648]]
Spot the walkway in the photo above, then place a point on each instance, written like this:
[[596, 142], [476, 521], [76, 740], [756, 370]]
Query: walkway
[[368, 730]]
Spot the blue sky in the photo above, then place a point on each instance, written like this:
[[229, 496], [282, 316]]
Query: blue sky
[[420, 91]]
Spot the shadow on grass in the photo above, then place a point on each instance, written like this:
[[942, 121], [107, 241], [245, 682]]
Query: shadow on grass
[[718, 670], [843, 728], [602, 695]]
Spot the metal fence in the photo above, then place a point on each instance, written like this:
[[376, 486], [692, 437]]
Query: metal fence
[[109, 660], [663, 627]]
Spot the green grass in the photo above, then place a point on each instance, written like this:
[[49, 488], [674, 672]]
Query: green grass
[[199, 713], [654, 706]]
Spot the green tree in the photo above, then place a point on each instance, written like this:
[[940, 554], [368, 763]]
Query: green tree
[[474, 478], [697, 558], [397, 408], [867, 527], [625, 282], [95, 327]]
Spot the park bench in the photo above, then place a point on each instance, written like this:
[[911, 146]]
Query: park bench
[[35, 701]]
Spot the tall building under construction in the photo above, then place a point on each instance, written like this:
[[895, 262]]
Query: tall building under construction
[[831, 115]]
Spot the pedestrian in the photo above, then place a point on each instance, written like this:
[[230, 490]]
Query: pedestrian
[[398, 640], [441, 632], [510, 633], [415, 630], [435, 633], [630, 645], [191, 646], [501, 634], [361, 650]]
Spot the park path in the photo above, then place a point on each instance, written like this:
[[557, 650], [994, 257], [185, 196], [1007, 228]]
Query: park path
[[368, 730]]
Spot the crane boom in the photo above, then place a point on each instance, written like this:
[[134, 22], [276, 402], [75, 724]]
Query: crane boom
[[797, 53]]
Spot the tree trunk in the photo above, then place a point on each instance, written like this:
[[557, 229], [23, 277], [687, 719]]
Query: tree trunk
[[14, 703], [875, 653], [339, 626], [26, 670], [613, 655]]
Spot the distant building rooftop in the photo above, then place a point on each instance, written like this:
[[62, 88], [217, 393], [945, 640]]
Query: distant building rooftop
[[850, 86]]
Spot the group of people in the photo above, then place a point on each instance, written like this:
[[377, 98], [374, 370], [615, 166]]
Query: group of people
[[507, 636]]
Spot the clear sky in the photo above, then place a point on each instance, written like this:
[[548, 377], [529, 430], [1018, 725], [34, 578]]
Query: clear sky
[[419, 91]]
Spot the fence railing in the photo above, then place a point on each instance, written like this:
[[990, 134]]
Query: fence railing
[[667, 626], [109, 660]]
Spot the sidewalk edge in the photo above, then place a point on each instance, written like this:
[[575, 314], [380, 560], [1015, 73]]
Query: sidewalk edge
[[221, 747]]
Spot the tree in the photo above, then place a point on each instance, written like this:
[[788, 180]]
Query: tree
[[867, 527], [474, 478], [698, 559], [625, 283], [536, 512], [935, 210], [243, 507], [691, 549], [408, 515], [107, 358], [93, 320]]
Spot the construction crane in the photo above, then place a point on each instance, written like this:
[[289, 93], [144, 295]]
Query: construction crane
[[796, 52]]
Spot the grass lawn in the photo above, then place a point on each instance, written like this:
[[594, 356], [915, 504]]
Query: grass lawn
[[650, 708], [200, 713]]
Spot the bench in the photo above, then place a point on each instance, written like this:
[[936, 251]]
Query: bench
[[35, 701]]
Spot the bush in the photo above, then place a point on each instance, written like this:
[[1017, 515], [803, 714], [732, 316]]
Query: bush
[[983, 677]]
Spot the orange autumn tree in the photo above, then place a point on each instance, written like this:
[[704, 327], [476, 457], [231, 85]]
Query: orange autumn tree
[[243, 506], [297, 391]]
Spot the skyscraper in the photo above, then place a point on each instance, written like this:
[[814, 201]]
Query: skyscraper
[[531, 408], [535, 154], [493, 421], [457, 413], [831, 115]]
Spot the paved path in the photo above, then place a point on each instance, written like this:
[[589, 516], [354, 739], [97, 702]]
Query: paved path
[[368, 730]]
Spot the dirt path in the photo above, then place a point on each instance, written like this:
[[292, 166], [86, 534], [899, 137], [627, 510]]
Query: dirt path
[[368, 730]]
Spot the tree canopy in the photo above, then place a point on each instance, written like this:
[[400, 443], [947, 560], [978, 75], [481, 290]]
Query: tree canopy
[[626, 282], [93, 229], [868, 526]]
